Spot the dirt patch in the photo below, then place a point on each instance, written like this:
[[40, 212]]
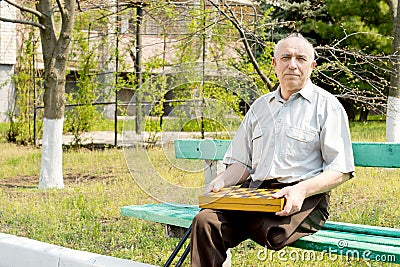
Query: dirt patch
[[19, 181], [33, 181]]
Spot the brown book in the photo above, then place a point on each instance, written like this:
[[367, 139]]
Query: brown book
[[246, 199]]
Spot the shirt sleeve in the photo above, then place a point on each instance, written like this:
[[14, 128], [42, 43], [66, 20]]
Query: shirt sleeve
[[336, 147], [240, 149]]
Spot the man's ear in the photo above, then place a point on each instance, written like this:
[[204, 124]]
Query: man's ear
[[273, 62], [313, 64]]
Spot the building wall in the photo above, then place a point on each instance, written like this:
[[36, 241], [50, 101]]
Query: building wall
[[6, 91], [8, 39], [7, 59]]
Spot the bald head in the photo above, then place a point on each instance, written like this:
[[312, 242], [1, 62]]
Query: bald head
[[301, 38]]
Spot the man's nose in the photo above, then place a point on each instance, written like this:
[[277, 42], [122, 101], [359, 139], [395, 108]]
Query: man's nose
[[293, 63]]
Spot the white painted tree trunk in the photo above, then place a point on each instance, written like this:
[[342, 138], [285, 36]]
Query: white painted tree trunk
[[51, 167], [393, 104], [393, 120]]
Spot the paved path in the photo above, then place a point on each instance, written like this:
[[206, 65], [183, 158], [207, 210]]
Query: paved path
[[132, 138]]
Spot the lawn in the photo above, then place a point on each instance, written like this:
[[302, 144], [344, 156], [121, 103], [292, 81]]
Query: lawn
[[86, 214]]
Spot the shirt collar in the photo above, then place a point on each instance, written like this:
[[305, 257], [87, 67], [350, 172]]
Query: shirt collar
[[305, 92], [277, 95]]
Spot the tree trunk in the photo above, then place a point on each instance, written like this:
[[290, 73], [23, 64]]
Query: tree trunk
[[55, 54], [51, 175], [364, 113], [393, 104]]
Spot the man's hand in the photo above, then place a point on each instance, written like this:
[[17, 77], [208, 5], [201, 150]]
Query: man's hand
[[294, 196], [215, 185], [236, 173]]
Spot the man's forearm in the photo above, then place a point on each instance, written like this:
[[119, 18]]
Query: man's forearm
[[323, 182], [296, 194], [235, 173]]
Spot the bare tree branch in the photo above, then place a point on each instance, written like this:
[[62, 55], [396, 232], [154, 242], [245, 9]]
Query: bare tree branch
[[246, 44], [24, 22], [26, 9], [61, 8], [78, 2], [366, 76]]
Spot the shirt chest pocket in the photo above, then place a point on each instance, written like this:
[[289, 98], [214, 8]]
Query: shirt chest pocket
[[300, 143]]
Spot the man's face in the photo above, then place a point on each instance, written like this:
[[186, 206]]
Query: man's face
[[293, 65]]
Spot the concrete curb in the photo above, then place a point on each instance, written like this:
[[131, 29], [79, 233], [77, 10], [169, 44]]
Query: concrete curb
[[23, 252]]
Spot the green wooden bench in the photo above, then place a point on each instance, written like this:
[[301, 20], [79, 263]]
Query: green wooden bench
[[345, 239]]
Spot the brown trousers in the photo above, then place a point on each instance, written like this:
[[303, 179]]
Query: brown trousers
[[214, 231]]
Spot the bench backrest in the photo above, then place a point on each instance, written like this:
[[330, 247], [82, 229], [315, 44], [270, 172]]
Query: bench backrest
[[366, 154]]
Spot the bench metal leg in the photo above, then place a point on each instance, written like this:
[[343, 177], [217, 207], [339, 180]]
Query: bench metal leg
[[178, 247], [183, 257]]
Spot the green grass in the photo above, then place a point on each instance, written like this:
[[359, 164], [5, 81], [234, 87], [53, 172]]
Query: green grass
[[3, 130], [369, 131], [86, 214], [104, 124]]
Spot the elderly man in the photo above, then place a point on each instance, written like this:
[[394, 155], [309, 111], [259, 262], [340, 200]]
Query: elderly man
[[295, 139]]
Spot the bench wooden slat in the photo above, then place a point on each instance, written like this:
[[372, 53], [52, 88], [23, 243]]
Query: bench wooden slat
[[373, 239], [172, 214], [205, 149], [362, 229], [376, 154], [366, 154]]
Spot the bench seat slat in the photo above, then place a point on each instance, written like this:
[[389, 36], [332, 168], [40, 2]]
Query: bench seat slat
[[362, 229], [373, 239], [178, 215]]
